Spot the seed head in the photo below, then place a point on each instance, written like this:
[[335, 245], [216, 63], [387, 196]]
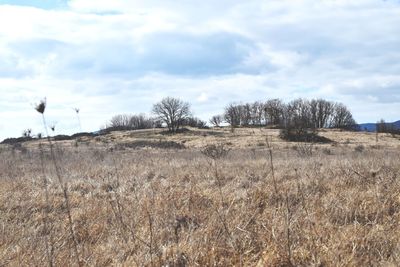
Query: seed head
[[41, 106]]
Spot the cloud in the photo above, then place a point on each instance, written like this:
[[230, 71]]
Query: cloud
[[109, 57], [168, 53]]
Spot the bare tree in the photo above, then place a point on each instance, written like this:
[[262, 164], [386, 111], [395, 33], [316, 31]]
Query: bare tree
[[342, 118], [216, 120], [141, 121], [257, 113], [194, 122], [321, 111], [274, 111], [298, 115], [120, 121], [131, 122], [381, 126], [172, 111], [232, 115]]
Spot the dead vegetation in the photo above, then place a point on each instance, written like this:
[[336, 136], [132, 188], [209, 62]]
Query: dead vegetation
[[236, 204]]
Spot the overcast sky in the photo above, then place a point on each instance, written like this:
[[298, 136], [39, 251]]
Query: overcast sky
[[121, 56]]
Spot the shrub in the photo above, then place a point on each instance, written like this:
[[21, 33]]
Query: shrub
[[215, 151], [151, 144], [302, 135], [359, 148]]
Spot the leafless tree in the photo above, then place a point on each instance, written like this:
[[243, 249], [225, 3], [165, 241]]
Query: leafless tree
[[324, 110], [194, 122], [298, 115], [216, 120], [172, 111], [141, 121], [274, 111], [245, 114], [120, 121], [131, 122], [232, 115], [342, 118], [257, 113]]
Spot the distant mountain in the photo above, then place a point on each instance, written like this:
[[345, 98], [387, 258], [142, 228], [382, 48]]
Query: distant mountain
[[371, 127]]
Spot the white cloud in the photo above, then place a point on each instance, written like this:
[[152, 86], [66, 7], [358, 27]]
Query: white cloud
[[110, 57]]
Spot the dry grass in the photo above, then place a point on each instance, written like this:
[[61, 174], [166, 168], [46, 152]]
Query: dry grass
[[164, 207]]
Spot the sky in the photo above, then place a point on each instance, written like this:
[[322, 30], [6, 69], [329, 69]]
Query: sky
[[122, 56]]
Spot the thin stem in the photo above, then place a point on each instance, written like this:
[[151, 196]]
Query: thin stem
[[49, 240], [272, 166], [79, 121], [288, 220], [64, 188]]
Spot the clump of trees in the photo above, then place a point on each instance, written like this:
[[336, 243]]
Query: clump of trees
[[131, 122], [298, 114], [171, 112], [195, 122], [216, 120], [299, 117]]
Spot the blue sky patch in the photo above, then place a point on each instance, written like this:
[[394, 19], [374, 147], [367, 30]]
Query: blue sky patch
[[43, 4]]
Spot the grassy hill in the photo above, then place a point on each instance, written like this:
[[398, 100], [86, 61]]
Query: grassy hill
[[371, 127], [147, 198]]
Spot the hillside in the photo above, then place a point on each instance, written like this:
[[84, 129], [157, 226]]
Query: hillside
[[147, 198], [193, 138], [371, 127]]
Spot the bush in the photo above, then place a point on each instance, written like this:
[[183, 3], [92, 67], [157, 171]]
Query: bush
[[296, 135], [359, 148], [151, 144], [215, 151], [195, 122], [124, 122], [11, 141], [327, 151]]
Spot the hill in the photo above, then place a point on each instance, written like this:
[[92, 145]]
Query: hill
[[193, 138], [201, 198], [371, 127]]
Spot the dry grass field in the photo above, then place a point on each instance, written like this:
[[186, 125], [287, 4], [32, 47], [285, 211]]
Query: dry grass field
[[144, 198]]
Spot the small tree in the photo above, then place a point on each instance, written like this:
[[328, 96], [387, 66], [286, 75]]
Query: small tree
[[194, 122], [232, 115], [216, 120], [274, 110], [27, 133], [172, 112], [120, 121], [381, 126], [342, 118]]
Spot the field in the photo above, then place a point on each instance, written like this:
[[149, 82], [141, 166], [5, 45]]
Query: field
[[146, 198]]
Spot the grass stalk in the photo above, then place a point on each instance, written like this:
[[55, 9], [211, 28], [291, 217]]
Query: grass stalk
[[64, 186]]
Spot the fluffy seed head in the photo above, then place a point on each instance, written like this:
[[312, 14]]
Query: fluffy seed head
[[41, 106]]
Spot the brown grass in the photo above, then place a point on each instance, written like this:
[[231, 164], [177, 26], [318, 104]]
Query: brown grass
[[164, 207]]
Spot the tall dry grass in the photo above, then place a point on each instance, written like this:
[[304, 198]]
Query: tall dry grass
[[171, 208]]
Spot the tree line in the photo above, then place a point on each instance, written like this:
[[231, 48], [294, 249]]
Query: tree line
[[315, 113], [170, 112], [297, 114]]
